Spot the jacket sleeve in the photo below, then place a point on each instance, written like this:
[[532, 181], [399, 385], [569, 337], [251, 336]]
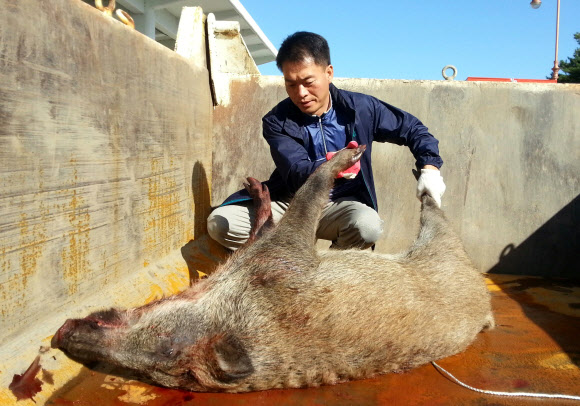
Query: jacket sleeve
[[394, 125], [289, 155]]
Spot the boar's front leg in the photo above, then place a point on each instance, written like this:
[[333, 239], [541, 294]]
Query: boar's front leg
[[262, 206], [297, 228], [290, 246]]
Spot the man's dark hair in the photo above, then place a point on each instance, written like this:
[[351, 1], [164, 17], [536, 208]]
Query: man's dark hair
[[302, 45]]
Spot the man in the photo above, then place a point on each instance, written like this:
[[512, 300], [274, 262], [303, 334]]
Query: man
[[317, 118]]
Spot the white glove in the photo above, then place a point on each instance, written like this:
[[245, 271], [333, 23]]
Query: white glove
[[431, 182]]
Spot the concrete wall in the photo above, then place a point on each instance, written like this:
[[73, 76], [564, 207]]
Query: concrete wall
[[511, 164], [105, 148]]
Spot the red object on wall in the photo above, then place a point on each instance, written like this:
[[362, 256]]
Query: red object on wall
[[476, 79]]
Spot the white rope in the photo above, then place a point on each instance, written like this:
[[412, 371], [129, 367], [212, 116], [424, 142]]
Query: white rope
[[491, 392]]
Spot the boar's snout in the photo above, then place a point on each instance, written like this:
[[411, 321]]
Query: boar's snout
[[69, 328], [62, 333], [75, 332]]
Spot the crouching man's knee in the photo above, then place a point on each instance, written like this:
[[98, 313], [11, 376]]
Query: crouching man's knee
[[362, 232], [369, 230], [229, 226], [217, 227]]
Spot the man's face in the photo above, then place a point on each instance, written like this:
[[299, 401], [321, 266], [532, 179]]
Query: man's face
[[307, 84]]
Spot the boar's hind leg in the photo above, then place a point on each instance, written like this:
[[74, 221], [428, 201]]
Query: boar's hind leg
[[262, 206], [299, 223], [436, 239]]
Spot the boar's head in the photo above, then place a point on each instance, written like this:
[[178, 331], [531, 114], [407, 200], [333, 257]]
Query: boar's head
[[166, 341]]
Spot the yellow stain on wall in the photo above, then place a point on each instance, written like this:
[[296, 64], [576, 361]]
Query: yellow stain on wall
[[32, 238], [75, 258], [156, 294], [178, 281], [5, 291], [164, 221], [172, 284], [21, 255]]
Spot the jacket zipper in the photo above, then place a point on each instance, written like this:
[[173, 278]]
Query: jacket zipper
[[363, 176], [322, 133]]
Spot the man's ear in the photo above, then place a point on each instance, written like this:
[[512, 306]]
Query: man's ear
[[231, 360], [330, 73]]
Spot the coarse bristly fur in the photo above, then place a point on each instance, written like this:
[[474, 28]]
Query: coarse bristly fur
[[279, 314]]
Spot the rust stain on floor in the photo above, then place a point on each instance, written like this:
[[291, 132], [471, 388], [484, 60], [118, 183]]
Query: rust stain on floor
[[534, 348]]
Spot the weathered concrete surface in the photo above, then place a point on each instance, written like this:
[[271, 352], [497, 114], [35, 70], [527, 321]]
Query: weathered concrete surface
[[228, 56], [511, 164], [191, 38], [239, 150], [105, 157], [534, 348]]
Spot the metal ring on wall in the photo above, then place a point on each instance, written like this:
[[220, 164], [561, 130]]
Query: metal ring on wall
[[454, 72]]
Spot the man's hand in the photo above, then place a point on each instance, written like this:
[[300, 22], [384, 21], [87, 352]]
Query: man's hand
[[351, 172], [431, 182]]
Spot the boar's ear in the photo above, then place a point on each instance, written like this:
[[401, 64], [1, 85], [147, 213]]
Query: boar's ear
[[231, 360]]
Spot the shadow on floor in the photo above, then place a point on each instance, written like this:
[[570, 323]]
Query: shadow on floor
[[202, 254], [549, 294], [553, 305]]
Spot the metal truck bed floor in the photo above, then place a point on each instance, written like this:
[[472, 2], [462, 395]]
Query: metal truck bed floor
[[535, 347]]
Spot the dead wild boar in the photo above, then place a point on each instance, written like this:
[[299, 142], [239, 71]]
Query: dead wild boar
[[279, 314]]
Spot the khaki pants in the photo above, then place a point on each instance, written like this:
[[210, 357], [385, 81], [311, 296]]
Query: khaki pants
[[347, 223]]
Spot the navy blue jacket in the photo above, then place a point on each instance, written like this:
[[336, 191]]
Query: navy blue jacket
[[367, 119]]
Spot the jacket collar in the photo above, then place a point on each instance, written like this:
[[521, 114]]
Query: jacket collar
[[340, 102]]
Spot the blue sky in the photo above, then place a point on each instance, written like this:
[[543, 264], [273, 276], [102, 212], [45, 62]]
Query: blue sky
[[415, 39]]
